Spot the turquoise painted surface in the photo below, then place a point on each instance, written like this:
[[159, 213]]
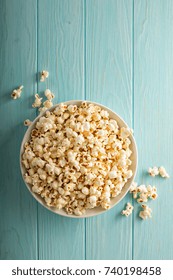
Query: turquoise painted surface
[[116, 52]]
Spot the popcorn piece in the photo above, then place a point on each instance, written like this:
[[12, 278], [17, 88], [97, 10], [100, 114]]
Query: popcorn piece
[[49, 95], [76, 158], [143, 193], [37, 102], [128, 210], [163, 173], [152, 192], [153, 171], [143, 197], [112, 174], [42, 109], [141, 189], [17, 93], [48, 104], [146, 213], [27, 122], [133, 187], [44, 75], [128, 174], [125, 132]]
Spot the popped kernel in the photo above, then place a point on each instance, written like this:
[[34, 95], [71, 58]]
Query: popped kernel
[[163, 173], [145, 213], [27, 122], [128, 210], [153, 171], [47, 104], [44, 75], [49, 95], [17, 92], [38, 101], [142, 193]]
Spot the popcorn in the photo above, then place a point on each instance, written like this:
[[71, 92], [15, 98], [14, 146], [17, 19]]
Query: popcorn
[[128, 174], [128, 210], [37, 102], [153, 171], [48, 104], [133, 187], [27, 122], [158, 171], [142, 193], [49, 95], [125, 132], [85, 190], [146, 213], [42, 109], [17, 92], [44, 75], [77, 157], [163, 173], [112, 174]]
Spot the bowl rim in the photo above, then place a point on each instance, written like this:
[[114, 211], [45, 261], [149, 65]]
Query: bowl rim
[[40, 200]]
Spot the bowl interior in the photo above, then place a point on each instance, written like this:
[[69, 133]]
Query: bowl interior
[[115, 200]]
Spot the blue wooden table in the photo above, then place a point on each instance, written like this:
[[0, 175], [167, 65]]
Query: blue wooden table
[[115, 52]]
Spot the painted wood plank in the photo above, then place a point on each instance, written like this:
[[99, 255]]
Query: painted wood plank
[[109, 81], [60, 51], [153, 72], [18, 221]]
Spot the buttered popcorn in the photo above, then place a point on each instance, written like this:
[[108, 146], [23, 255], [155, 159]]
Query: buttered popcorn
[[77, 158]]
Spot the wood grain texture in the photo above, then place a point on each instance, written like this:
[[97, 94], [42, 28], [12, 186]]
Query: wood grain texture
[[118, 53], [18, 221], [109, 81], [153, 72], [61, 52]]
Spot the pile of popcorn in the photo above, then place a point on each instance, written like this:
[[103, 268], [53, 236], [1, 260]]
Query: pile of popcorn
[[77, 158], [47, 104], [142, 193]]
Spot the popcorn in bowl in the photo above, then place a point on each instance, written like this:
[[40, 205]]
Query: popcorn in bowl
[[77, 158]]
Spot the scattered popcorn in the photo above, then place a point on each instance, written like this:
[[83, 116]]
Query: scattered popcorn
[[142, 193], [156, 171], [37, 102], [27, 122], [17, 93], [128, 210], [163, 173], [74, 157], [44, 75], [146, 213], [49, 95]]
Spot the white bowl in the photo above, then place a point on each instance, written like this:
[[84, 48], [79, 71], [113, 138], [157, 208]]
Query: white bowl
[[114, 201]]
